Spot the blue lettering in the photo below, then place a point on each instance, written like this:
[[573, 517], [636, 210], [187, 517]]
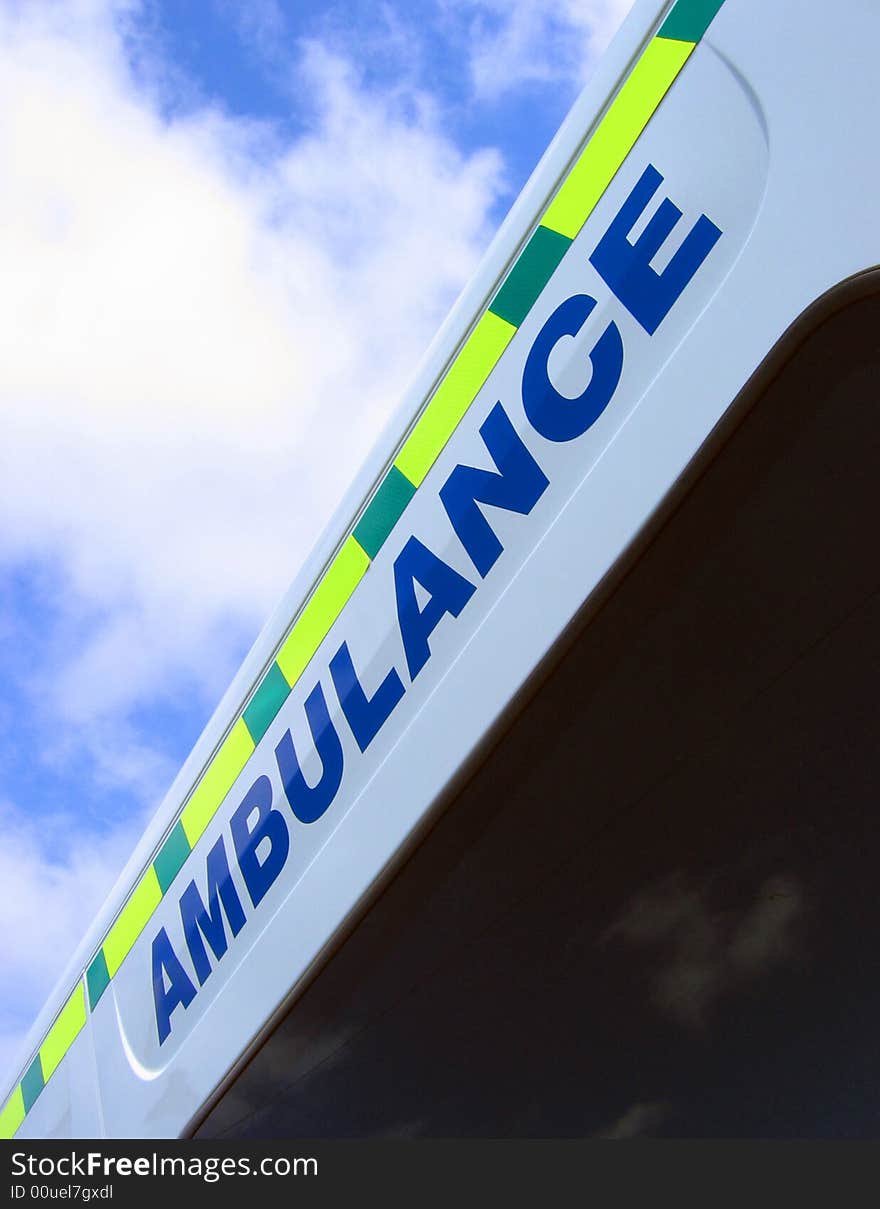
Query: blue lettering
[[553, 415], [626, 267], [180, 989], [517, 487], [199, 921], [449, 593], [270, 825], [309, 802], [365, 715]]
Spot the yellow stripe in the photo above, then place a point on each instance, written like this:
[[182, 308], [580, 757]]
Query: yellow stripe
[[217, 780], [63, 1032], [132, 920], [470, 369], [326, 603], [615, 136], [12, 1115]]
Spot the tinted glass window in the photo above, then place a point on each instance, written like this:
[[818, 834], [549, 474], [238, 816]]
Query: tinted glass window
[[654, 909]]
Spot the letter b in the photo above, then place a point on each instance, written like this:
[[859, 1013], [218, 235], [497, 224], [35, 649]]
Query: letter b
[[270, 825]]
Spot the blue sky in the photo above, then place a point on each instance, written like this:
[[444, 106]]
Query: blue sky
[[204, 208]]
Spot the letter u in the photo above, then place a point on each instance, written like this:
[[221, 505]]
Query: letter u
[[309, 802]]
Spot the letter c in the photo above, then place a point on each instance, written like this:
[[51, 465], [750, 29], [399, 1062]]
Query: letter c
[[550, 413]]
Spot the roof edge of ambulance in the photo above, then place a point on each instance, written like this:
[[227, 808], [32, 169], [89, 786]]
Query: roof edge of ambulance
[[637, 27]]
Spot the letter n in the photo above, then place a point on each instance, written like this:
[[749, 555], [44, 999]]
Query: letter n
[[517, 487], [449, 592]]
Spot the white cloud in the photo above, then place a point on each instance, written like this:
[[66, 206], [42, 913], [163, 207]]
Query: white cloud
[[260, 24], [54, 880], [537, 41], [203, 329]]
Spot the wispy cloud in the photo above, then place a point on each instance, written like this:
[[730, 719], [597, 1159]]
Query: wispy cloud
[[536, 41], [260, 23], [54, 879]]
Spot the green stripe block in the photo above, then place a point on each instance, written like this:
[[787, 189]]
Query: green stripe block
[[534, 268], [171, 856], [32, 1084], [689, 20], [97, 979], [383, 511], [271, 694]]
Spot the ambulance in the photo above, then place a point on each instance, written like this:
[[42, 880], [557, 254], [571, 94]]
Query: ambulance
[[545, 804]]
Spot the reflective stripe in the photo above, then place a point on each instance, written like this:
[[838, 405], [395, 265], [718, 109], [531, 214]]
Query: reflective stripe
[[132, 920], [534, 267], [97, 978], [616, 134], [272, 692], [171, 856], [12, 1115], [63, 1032], [383, 511], [324, 606], [217, 780], [467, 373], [32, 1083], [690, 19]]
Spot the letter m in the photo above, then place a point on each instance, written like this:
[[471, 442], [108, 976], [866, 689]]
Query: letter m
[[201, 923]]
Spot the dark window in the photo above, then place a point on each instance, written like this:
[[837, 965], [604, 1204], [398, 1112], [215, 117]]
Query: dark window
[[653, 909]]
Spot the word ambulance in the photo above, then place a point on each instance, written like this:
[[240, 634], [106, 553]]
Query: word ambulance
[[427, 589]]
